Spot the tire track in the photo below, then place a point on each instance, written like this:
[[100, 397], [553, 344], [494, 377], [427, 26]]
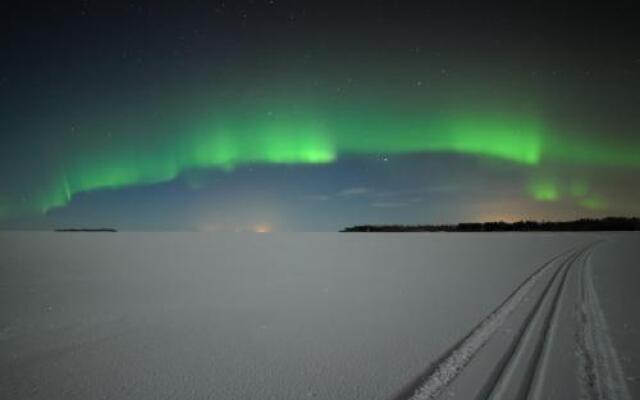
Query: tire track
[[439, 374]]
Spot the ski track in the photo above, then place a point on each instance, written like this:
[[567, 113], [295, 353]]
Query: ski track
[[538, 369], [447, 368], [601, 373], [497, 384], [530, 350]]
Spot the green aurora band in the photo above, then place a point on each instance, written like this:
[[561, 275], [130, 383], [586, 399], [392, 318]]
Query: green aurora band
[[305, 138], [544, 189], [548, 190]]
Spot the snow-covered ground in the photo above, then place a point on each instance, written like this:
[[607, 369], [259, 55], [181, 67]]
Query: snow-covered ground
[[323, 316]]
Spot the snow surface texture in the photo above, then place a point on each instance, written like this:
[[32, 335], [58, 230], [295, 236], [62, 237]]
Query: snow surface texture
[[323, 316]]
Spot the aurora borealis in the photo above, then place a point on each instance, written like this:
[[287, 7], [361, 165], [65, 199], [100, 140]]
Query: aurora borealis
[[275, 139], [206, 103]]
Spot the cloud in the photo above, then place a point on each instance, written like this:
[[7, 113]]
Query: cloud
[[450, 188], [355, 191], [316, 197], [416, 193], [388, 204]]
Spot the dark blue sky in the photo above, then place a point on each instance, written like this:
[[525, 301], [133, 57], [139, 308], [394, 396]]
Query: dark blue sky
[[290, 115]]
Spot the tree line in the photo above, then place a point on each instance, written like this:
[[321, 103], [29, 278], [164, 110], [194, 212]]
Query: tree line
[[580, 225]]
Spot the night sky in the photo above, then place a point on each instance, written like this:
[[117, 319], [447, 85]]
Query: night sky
[[310, 116]]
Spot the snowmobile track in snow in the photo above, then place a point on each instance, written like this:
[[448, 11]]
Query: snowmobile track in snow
[[523, 366], [431, 382], [529, 351], [497, 378]]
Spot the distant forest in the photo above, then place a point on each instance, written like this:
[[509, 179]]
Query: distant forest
[[580, 225]]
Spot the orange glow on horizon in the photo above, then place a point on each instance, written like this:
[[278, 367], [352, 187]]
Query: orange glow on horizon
[[262, 228], [489, 217]]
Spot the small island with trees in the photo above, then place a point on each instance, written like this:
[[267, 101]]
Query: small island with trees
[[86, 230]]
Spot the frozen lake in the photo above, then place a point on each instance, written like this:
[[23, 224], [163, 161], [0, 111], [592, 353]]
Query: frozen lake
[[277, 316]]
